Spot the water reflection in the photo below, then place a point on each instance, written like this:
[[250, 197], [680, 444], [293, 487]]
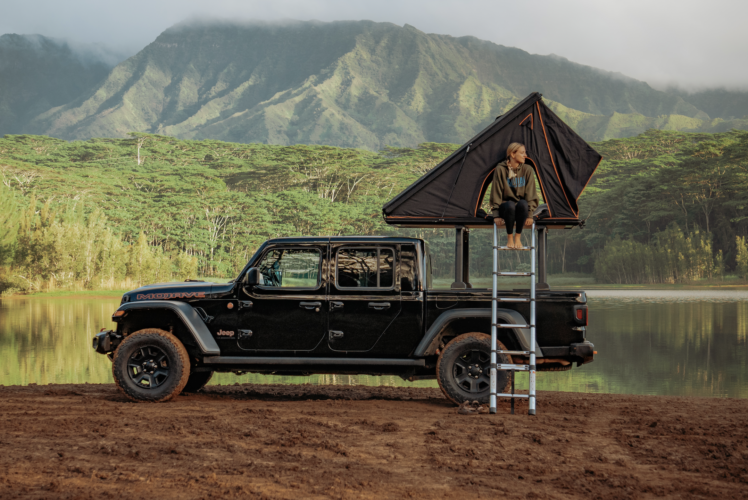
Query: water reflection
[[49, 340], [654, 342], [688, 343]]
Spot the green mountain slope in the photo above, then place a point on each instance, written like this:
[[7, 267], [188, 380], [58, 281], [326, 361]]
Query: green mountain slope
[[620, 125], [350, 84], [719, 103], [38, 73]]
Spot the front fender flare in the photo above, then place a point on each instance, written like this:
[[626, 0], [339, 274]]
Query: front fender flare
[[189, 317], [502, 315]]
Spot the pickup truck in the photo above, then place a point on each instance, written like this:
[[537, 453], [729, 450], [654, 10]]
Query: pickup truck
[[345, 305]]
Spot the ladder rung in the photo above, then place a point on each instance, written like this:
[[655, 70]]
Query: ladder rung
[[508, 366], [509, 325], [504, 299], [512, 352], [501, 395], [507, 248], [513, 273]]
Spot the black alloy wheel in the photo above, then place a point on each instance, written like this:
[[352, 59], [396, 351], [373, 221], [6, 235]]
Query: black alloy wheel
[[472, 370], [463, 368], [150, 365]]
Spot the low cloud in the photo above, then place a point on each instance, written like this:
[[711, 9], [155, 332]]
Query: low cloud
[[690, 44]]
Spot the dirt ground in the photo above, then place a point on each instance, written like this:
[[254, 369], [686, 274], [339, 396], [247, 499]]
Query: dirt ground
[[251, 441]]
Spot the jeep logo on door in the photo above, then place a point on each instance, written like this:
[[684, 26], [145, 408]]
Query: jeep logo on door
[[224, 333]]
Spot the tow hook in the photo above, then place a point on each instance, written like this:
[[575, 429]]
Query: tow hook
[[106, 341]]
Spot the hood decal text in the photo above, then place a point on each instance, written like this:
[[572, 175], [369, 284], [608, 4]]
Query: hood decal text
[[173, 295]]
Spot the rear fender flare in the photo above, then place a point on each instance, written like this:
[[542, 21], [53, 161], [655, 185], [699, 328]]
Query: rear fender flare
[[189, 317], [428, 344]]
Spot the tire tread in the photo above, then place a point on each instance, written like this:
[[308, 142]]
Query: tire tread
[[154, 333], [455, 343]]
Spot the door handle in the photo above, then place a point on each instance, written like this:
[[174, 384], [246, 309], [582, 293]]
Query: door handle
[[336, 334], [335, 305], [379, 306], [310, 306], [245, 304]]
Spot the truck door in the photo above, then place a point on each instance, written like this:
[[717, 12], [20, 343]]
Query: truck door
[[364, 298], [288, 311]]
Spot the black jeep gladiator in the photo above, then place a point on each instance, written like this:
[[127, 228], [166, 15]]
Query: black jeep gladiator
[[347, 305]]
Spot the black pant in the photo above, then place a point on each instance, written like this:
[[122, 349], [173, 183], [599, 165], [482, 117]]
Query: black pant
[[514, 212]]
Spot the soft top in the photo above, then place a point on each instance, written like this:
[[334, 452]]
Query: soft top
[[451, 192]]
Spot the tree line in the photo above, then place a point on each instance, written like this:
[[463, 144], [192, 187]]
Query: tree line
[[115, 213], [662, 207]]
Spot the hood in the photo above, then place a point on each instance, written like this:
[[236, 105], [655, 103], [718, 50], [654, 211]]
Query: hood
[[177, 291]]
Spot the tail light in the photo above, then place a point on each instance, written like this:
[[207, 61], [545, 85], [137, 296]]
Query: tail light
[[580, 315]]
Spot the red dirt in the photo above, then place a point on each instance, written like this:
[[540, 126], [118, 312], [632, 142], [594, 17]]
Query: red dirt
[[250, 441]]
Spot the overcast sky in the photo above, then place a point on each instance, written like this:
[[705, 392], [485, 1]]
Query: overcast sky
[[689, 43]]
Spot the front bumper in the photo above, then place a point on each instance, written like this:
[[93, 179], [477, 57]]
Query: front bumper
[[106, 341]]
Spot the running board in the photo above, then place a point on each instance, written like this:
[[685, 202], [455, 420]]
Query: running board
[[257, 360]]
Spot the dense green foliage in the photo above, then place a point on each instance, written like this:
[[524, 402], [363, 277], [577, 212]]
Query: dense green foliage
[[698, 182], [351, 84], [672, 257], [214, 201], [663, 206]]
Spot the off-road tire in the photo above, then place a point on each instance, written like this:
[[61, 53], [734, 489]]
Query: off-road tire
[[197, 381], [475, 347], [176, 356]]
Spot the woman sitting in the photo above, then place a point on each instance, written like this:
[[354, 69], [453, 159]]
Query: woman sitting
[[513, 194]]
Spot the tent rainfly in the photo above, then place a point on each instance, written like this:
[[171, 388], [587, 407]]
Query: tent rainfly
[[451, 193]]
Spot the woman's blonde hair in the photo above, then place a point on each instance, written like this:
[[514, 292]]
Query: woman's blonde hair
[[513, 148]]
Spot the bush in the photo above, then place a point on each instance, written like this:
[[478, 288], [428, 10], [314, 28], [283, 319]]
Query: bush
[[741, 257], [673, 258]]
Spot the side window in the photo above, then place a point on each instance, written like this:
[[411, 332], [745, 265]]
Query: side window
[[291, 268], [366, 268]]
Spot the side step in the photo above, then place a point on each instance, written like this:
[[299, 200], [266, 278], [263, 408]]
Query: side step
[[262, 360]]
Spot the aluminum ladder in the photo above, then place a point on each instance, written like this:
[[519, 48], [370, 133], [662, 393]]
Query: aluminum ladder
[[495, 325]]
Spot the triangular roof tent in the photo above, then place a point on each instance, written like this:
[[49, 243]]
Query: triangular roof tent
[[451, 193]]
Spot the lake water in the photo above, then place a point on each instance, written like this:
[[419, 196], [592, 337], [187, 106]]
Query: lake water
[[686, 343]]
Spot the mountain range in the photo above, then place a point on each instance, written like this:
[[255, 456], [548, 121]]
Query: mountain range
[[349, 83]]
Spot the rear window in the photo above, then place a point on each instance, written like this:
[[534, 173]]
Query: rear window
[[365, 268]]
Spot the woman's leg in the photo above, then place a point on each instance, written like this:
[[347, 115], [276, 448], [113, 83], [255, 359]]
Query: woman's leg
[[520, 216], [506, 212]]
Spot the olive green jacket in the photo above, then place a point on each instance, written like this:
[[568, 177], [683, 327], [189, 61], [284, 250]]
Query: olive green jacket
[[521, 187]]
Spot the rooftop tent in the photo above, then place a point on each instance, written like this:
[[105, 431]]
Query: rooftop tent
[[451, 192]]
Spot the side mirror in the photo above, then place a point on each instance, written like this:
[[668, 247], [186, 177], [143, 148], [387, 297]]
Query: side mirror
[[252, 277]]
